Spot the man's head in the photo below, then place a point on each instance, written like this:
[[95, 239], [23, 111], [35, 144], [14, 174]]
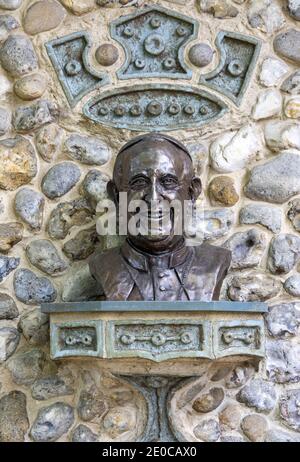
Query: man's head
[[156, 169]]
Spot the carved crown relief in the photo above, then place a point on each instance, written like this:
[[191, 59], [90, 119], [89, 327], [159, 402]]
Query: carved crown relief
[[154, 41], [155, 107], [69, 57]]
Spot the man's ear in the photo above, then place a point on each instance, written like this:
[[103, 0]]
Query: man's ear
[[112, 191], [195, 188]]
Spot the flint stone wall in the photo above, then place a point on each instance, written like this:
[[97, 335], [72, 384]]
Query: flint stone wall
[[54, 165]]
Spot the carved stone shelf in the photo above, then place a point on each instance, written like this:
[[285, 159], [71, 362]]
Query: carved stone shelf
[[156, 331], [157, 347]]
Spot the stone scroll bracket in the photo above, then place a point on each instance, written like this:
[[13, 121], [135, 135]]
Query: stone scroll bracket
[[69, 57], [158, 392]]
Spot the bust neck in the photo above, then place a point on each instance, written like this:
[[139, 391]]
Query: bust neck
[[157, 251]]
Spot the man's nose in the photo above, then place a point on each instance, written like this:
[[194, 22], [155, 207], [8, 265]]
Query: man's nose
[[153, 194]]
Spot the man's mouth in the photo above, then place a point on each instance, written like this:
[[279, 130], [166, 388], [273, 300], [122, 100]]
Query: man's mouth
[[158, 215], [155, 222], [159, 222]]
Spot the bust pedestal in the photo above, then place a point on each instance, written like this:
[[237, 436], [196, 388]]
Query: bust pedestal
[[157, 347]]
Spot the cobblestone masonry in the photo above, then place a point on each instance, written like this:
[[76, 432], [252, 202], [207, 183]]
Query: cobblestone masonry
[[54, 165]]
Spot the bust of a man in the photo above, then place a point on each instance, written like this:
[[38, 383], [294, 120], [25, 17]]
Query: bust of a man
[[158, 265]]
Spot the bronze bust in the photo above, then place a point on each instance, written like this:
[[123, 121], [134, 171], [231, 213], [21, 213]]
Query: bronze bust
[[159, 266]]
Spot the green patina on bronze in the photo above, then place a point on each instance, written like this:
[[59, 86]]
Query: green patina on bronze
[[155, 107], [69, 57], [238, 57], [156, 339], [77, 338], [154, 42]]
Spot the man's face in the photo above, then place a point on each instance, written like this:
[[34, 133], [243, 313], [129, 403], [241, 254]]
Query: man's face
[[156, 173]]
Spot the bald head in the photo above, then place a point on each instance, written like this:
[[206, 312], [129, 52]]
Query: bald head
[[145, 150], [155, 137], [155, 169]]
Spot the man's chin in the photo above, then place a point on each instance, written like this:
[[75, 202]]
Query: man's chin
[[155, 238], [155, 232], [160, 243]]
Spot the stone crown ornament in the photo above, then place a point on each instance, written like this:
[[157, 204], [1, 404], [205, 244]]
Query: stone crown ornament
[[154, 41], [238, 56], [69, 56], [155, 107]]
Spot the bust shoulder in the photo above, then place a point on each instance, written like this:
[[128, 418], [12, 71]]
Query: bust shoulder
[[213, 261], [109, 270], [213, 252], [104, 260]]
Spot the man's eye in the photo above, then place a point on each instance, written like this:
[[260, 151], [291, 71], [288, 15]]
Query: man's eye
[[138, 183], [169, 182]]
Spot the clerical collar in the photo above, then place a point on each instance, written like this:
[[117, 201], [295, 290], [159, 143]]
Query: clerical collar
[[143, 262]]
